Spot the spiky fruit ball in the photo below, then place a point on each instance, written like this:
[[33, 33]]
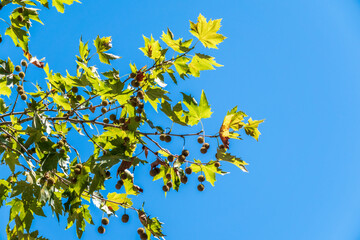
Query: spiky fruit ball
[[20, 88], [20, 18], [122, 120], [140, 231], [22, 75], [123, 176], [165, 188], [24, 63], [74, 89], [139, 110], [107, 174], [201, 178], [132, 75], [201, 187], [21, 92], [169, 184], [105, 221], [18, 68], [183, 179], [23, 97], [153, 172], [43, 139], [143, 236], [78, 97], [126, 139], [106, 120], [73, 180], [171, 158], [104, 103], [140, 94], [185, 152], [217, 164], [79, 165], [125, 127], [104, 110], [203, 150], [222, 147], [137, 119], [60, 143], [141, 105], [135, 84], [50, 181], [200, 140], [181, 158], [125, 218], [206, 145], [188, 170], [112, 117], [162, 137], [120, 182], [118, 186], [168, 176], [167, 138], [77, 171], [62, 151], [101, 230]]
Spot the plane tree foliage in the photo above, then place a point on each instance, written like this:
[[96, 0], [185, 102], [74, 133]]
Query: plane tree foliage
[[107, 109]]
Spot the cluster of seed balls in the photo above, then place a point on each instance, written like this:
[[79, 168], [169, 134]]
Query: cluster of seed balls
[[181, 158], [20, 89], [125, 219]]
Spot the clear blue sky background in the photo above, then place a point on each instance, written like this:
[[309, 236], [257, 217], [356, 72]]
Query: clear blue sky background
[[295, 63]]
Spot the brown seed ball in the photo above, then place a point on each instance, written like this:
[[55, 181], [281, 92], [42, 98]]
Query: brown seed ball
[[140, 94], [78, 97], [185, 153], [139, 110], [171, 158], [217, 164], [122, 120], [181, 158], [104, 103], [206, 145], [132, 75], [165, 188], [168, 176], [120, 182], [124, 127], [162, 137], [112, 117], [23, 97], [183, 179], [125, 218], [137, 119], [222, 147], [20, 10], [153, 172], [74, 89], [123, 176], [135, 83], [101, 230], [0, 37], [201, 187], [79, 165], [118, 186], [46, 175], [103, 110], [62, 151], [168, 138], [50, 181], [105, 221], [106, 120], [21, 92], [107, 174], [18, 68], [140, 231], [200, 140], [20, 18], [19, 88], [143, 236], [60, 143], [141, 105], [77, 171], [203, 150], [43, 139], [21, 75], [24, 63], [73, 180], [126, 139], [201, 178], [116, 121], [188, 170], [169, 184]]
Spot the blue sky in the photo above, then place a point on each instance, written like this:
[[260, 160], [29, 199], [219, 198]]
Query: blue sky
[[294, 63]]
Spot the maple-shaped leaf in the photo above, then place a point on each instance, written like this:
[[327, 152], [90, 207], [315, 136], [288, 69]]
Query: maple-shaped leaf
[[233, 120], [222, 155], [206, 32], [196, 111], [59, 4], [201, 62], [102, 46], [177, 45], [251, 128], [152, 48], [208, 169], [119, 198]]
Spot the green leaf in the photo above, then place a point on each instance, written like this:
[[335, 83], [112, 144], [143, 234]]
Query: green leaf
[[222, 155], [206, 32], [59, 4], [176, 45], [103, 45], [152, 48], [4, 89], [19, 36], [251, 128], [61, 101], [201, 62], [120, 198], [208, 169], [196, 112]]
